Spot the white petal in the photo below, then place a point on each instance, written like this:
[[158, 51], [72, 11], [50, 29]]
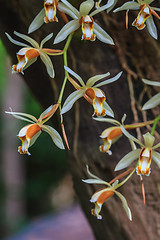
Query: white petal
[[73, 9], [30, 62], [96, 195], [91, 81], [34, 138], [66, 30], [109, 111], [128, 5], [18, 116], [54, 135], [47, 38], [125, 205], [48, 63], [128, 135], [156, 146], [75, 75], [23, 131], [156, 157], [110, 80], [95, 181], [153, 102], [71, 99], [127, 159], [151, 27], [152, 83], [28, 39], [91, 174], [148, 140], [110, 8], [102, 35], [16, 42], [37, 21], [104, 7], [85, 7], [108, 120], [63, 8]]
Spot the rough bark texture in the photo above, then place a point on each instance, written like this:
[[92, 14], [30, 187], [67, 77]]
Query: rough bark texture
[[138, 54]]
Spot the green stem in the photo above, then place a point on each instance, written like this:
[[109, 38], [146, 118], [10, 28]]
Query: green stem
[[66, 73], [126, 179], [157, 119]]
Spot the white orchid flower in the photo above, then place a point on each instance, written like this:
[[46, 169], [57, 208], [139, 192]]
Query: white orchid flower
[[28, 54], [145, 15], [99, 197], [96, 95], [29, 134], [84, 19], [145, 154]]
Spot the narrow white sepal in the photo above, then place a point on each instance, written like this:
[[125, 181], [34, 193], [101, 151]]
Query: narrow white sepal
[[125, 205], [151, 27], [128, 5], [54, 135], [71, 99], [48, 63], [37, 21], [91, 81], [16, 42], [102, 35], [66, 30], [110, 80], [28, 39], [127, 159], [153, 102], [156, 157], [47, 38], [75, 75]]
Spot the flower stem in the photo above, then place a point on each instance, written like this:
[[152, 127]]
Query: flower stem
[[66, 64], [157, 119]]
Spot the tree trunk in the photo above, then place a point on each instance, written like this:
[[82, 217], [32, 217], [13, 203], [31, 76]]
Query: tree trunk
[[138, 55]]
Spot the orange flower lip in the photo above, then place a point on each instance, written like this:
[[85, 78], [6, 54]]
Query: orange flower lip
[[144, 162], [87, 23]]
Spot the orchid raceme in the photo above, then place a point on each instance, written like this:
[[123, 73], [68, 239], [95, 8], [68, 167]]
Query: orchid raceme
[[29, 134], [155, 100], [92, 91], [84, 19], [28, 55], [145, 15], [47, 14], [112, 134], [144, 154], [99, 197]]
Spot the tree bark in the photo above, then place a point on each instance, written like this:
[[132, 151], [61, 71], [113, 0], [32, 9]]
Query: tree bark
[[138, 55]]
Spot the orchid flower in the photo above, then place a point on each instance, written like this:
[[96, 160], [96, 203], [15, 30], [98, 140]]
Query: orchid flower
[[91, 90], [145, 15], [28, 55], [112, 134], [155, 100], [145, 154], [29, 133], [84, 19], [47, 14], [99, 197]]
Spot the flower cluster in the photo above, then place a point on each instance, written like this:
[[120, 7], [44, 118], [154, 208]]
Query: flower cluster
[[84, 19]]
